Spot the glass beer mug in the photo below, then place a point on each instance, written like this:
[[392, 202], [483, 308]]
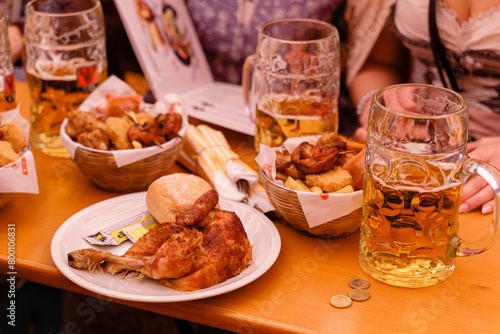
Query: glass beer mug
[[291, 84], [65, 60], [416, 164], [7, 83]]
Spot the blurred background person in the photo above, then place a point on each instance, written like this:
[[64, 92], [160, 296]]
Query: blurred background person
[[390, 43], [228, 32], [228, 29]]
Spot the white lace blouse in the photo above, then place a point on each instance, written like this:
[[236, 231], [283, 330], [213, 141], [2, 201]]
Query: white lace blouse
[[473, 51]]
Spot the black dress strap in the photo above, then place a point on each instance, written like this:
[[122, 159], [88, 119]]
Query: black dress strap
[[439, 51]]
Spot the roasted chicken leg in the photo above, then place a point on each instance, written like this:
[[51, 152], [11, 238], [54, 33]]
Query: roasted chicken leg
[[183, 257]]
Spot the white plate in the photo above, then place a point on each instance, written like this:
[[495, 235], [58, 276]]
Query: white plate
[[262, 234]]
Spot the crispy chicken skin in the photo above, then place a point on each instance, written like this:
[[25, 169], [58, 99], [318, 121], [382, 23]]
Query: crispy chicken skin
[[177, 256], [313, 159], [146, 246], [97, 139], [162, 129], [226, 252], [181, 256], [81, 121]]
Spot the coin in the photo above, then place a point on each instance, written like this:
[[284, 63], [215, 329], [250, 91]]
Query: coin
[[358, 294], [340, 301], [359, 283]]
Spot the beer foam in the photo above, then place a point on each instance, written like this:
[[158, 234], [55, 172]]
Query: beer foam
[[269, 105], [56, 69], [419, 188]]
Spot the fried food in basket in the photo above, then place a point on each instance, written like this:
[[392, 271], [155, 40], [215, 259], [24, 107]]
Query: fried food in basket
[[12, 141], [97, 139], [314, 159], [164, 128], [80, 122], [330, 181], [125, 129], [7, 153], [118, 106], [117, 128], [142, 118], [317, 166], [12, 133], [181, 256]]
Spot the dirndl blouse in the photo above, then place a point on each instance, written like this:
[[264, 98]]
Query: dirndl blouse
[[473, 52]]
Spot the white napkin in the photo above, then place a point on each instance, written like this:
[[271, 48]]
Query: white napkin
[[318, 208], [98, 99], [19, 176], [208, 154]]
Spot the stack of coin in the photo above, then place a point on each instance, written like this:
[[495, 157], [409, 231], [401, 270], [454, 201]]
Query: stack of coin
[[357, 293]]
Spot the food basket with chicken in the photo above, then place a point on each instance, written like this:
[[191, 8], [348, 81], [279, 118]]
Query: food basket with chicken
[[129, 144], [315, 183], [17, 165]]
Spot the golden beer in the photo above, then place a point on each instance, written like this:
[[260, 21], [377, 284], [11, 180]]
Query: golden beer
[[53, 95], [291, 84], [280, 118], [409, 232], [65, 60], [416, 163], [7, 81], [7, 102]]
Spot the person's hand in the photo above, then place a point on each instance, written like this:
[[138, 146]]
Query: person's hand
[[476, 191], [360, 134]]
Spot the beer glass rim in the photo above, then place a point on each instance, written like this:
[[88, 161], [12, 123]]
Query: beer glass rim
[[463, 108], [333, 32], [31, 10]]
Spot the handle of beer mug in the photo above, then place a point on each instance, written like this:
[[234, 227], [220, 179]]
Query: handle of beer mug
[[492, 176], [246, 83]]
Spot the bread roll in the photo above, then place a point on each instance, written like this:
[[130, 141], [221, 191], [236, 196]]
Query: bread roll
[[174, 193]]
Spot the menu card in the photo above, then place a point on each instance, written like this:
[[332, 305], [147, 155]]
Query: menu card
[[171, 57]]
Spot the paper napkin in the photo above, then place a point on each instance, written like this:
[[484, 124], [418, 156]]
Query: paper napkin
[[207, 153]]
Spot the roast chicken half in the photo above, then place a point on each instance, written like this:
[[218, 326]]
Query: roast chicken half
[[203, 247]]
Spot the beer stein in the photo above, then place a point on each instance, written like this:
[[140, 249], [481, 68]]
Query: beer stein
[[64, 62], [7, 87], [416, 164], [291, 84]]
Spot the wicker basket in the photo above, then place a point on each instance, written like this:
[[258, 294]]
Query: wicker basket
[[100, 167], [287, 204], [5, 199]]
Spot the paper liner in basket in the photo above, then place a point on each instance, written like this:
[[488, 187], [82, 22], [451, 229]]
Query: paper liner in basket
[[97, 101], [207, 153], [19, 176], [318, 208]]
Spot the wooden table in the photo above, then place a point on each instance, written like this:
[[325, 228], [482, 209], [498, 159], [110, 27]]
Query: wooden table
[[293, 295]]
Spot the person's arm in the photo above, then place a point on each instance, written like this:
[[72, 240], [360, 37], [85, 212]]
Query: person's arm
[[16, 42], [387, 64]]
